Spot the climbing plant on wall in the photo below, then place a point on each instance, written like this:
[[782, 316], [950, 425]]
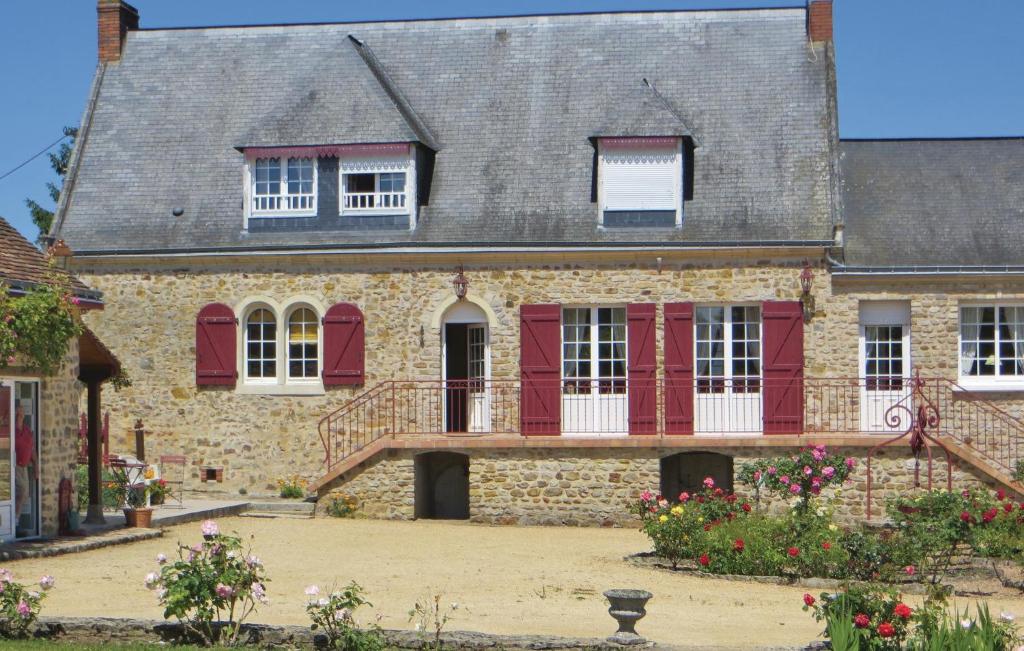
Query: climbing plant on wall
[[36, 327]]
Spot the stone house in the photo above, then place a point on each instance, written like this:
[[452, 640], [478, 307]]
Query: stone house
[[519, 269], [39, 439]]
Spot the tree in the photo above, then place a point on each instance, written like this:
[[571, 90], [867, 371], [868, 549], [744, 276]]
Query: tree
[[42, 217]]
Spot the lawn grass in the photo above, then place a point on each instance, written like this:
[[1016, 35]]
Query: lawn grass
[[34, 645]]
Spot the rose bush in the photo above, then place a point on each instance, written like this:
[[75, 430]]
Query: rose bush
[[212, 587], [334, 615], [19, 606], [801, 476]]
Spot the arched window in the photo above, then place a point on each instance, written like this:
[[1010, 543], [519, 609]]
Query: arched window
[[303, 355], [261, 345]]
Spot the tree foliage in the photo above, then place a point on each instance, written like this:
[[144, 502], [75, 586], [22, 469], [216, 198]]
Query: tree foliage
[[41, 217]]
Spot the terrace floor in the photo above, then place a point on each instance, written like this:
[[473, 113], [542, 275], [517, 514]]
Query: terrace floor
[[506, 580]]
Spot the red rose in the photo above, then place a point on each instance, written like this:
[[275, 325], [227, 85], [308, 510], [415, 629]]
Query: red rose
[[707, 527], [902, 611], [989, 516], [793, 552], [1000, 495], [861, 621], [965, 516], [718, 492], [730, 498], [808, 599], [826, 545], [738, 545], [746, 507], [704, 560], [1008, 507], [885, 629], [700, 499]]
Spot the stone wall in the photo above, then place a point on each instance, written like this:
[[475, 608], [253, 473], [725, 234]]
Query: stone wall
[[60, 396], [256, 438], [596, 487]]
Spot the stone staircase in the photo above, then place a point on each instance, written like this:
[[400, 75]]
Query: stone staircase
[[287, 509]]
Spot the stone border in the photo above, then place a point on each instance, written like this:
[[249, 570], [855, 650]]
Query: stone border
[[71, 545], [110, 630], [649, 560]]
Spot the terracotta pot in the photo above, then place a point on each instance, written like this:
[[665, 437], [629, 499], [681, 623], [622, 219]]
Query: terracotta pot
[[141, 518]]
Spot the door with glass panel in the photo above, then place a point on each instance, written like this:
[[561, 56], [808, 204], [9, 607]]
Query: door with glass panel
[[19, 463], [478, 393], [594, 399], [885, 366], [728, 370]]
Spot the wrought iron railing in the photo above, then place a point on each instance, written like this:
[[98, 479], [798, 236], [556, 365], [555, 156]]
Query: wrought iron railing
[[703, 407]]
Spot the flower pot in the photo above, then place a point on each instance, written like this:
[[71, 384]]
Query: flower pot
[[627, 607], [142, 518]]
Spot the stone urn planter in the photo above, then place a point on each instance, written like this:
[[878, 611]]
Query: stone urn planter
[[141, 518], [627, 607]]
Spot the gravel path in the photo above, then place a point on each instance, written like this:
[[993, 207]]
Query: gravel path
[[507, 580]]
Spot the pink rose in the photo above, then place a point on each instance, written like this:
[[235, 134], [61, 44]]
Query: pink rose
[[850, 462], [771, 470], [647, 496], [757, 475], [828, 472], [684, 496], [784, 479], [209, 528], [709, 482], [23, 609], [808, 471], [795, 488], [224, 591]]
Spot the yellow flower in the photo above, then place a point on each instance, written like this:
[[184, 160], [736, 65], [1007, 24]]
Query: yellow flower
[[663, 518], [700, 519], [832, 527], [150, 473], [677, 510]]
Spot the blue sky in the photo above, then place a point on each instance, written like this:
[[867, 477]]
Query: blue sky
[[906, 68]]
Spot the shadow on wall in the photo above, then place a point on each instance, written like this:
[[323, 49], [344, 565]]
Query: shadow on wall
[[686, 472], [442, 486]]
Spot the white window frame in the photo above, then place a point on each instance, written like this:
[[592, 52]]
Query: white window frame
[[248, 379], [994, 382], [639, 150], [378, 165], [595, 355], [728, 377], [250, 189], [281, 384], [317, 377]]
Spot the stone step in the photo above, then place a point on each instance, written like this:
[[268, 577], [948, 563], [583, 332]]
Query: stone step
[[282, 507], [278, 515]]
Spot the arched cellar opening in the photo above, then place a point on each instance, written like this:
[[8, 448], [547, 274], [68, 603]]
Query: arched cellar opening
[[686, 471], [442, 486]]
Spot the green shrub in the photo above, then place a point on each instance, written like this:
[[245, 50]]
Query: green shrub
[[342, 506], [19, 606], [334, 615], [108, 485]]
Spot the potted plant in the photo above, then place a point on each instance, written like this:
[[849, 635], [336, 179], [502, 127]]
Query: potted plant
[[132, 492], [159, 492]]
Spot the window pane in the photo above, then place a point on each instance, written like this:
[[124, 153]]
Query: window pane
[[303, 332], [261, 344]]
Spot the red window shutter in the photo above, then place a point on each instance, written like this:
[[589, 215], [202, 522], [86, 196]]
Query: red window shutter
[[344, 345], [679, 368], [540, 369], [216, 351], [641, 368], [783, 354]]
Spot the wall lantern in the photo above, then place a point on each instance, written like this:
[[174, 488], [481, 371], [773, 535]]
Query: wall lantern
[[806, 298], [460, 283]]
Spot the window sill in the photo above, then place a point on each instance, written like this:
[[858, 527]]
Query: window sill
[[989, 387], [281, 215], [281, 389]]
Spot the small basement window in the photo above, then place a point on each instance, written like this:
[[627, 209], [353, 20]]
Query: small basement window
[[640, 182]]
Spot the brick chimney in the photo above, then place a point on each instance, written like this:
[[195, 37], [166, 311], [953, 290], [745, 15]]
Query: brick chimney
[[115, 18], [819, 20]]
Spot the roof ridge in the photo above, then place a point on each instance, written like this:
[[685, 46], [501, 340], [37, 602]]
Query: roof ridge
[[391, 88]]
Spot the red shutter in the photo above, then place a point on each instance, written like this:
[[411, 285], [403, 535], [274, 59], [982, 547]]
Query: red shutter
[[216, 351], [641, 368], [679, 368], [344, 345], [540, 369], [783, 334]]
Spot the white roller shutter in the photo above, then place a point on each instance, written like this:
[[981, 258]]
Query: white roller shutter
[[641, 180]]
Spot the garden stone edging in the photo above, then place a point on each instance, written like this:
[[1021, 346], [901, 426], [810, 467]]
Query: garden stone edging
[[108, 630], [648, 559]]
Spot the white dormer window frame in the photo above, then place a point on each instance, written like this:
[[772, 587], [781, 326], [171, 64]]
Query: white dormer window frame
[[295, 179], [640, 175], [393, 189]]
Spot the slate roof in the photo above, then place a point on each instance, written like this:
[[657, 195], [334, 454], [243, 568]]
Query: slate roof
[[933, 203], [512, 102], [22, 264]]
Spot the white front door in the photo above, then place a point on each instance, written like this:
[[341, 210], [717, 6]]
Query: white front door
[[728, 370], [594, 399], [478, 390], [885, 367]]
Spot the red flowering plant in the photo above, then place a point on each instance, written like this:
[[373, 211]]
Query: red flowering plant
[[802, 476], [678, 528], [874, 618]]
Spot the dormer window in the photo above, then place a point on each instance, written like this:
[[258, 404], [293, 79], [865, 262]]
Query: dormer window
[[283, 190], [375, 192], [640, 182]]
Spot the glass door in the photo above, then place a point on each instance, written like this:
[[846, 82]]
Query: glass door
[[6, 460], [594, 398], [26, 459], [885, 366], [728, 372]]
